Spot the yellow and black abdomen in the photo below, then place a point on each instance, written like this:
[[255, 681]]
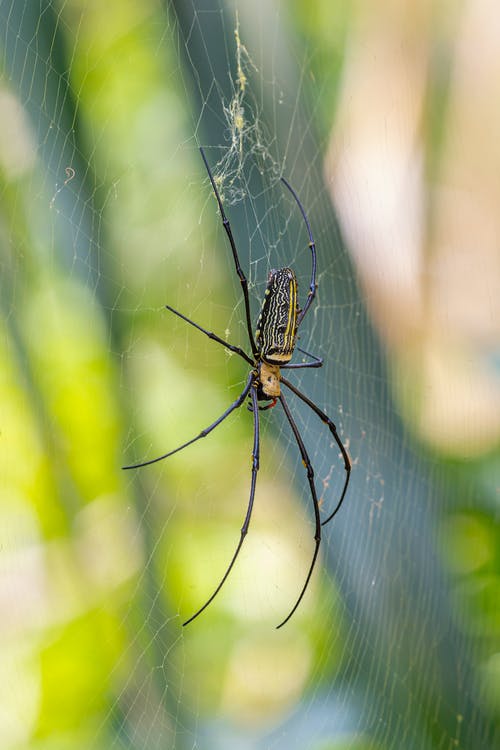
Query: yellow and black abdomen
[[277, 324]]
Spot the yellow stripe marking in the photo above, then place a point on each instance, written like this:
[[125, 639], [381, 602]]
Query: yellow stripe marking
[[291, 314]]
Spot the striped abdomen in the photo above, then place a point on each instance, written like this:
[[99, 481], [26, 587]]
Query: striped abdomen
[[277, 324]]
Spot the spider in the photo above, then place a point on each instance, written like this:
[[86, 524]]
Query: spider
[[272, 349]]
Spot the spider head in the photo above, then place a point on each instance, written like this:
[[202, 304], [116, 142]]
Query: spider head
[[269, 381]]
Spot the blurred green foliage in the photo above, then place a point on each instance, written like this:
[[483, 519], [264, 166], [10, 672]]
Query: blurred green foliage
[[98, 567]]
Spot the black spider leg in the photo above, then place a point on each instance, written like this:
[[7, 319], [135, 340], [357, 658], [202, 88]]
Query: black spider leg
[[313, 285], [246, 523], [241, 275], [310, 479], [331, 426], [317, 361], [213, 336], [204, 432]]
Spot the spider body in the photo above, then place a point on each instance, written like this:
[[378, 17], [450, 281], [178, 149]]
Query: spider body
[[271, 351], [276, 332], [268, 382], [277, 324]]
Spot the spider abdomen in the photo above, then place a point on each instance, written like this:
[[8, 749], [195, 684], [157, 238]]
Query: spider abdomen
[[277, 324]]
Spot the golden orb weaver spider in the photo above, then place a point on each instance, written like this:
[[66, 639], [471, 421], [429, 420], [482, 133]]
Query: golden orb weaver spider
[[272, 349]]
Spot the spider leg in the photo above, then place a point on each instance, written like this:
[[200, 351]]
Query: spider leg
[[317, 361], [204, 432], [246, 523], [310, 479], [241, 275], [331, 426], [213, 336], [313, 285]]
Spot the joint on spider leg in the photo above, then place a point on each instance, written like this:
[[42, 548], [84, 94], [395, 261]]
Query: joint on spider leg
[[333, 428], [309, 469]]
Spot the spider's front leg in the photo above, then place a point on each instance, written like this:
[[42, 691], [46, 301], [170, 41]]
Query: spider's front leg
[[333, 429], [310, 478], [246, 523], [235, 405]]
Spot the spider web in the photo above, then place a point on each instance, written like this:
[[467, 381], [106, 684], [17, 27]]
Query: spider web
[[108, 215]]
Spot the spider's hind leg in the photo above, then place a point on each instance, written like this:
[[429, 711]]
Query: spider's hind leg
[[316, 361], [237, 265], [236, 349]]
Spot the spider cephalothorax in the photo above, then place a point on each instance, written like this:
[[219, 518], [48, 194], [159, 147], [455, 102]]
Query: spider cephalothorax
[[268, 385], [271, 351]]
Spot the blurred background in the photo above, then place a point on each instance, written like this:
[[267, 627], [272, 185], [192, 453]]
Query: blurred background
[[385, 118]]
